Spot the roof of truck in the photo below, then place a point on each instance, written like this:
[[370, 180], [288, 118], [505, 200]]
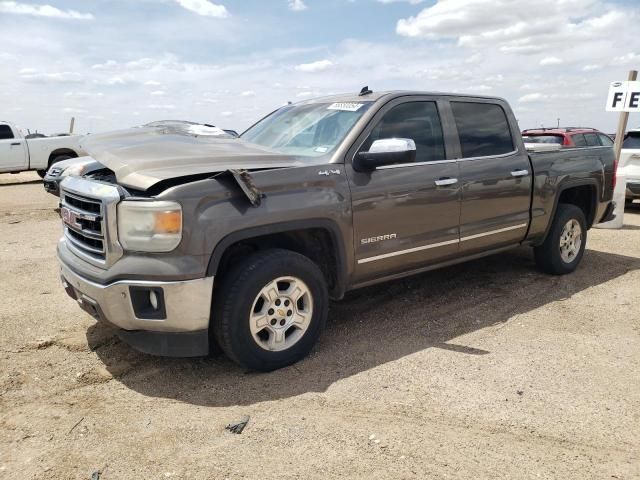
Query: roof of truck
[[374, 96]]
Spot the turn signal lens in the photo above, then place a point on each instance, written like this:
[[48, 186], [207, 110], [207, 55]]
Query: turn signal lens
[[168, 222]]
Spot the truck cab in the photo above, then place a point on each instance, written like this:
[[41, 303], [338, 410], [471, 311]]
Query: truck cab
[[20, 152]]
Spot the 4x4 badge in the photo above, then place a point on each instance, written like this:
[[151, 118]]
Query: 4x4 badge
[[329, 172]]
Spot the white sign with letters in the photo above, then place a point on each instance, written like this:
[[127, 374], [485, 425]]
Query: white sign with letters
[[624, 97]]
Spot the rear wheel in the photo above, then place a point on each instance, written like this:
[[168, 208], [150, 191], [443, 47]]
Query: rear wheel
[[564, 246], [270, 310]]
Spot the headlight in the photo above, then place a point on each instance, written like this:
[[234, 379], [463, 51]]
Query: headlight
[[149, 226]]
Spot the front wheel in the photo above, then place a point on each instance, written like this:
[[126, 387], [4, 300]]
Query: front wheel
[[564, 246], [270, 310]]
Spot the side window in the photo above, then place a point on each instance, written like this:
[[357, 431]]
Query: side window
[[5, 132], [579, 140], [483, 129], [605, 140], [592, 139], [418, 121]]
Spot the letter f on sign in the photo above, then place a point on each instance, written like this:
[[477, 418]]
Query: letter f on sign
[[617, 98]]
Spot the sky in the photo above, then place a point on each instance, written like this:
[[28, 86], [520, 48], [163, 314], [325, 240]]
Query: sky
[[118, 63]]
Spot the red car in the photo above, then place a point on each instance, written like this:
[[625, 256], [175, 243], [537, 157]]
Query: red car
[[568, 137]]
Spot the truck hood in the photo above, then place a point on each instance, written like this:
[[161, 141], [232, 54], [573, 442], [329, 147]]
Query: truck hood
[[141, 157]]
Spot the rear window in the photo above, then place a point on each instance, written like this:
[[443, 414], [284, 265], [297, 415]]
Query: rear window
[[605, 140], [483, 129], [632, 140], [557, 139], [5, 132]]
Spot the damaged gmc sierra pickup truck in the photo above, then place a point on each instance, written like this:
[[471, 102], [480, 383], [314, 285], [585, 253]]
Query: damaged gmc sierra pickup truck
[[190, 239]]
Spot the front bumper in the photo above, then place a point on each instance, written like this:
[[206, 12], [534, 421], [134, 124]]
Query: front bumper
[[52, 185], [176, 326]]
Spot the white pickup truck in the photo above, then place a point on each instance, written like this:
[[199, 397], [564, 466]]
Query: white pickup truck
[[18, 153]]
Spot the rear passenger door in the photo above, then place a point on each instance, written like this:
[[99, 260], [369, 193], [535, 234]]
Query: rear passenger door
[[495, 175]]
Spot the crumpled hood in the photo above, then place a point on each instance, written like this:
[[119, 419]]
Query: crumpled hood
[[143, 156]]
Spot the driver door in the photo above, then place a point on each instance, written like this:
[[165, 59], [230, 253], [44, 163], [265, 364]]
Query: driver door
[[405, 216]]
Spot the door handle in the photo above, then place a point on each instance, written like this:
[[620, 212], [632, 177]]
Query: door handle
[[441, 182], [520, 173], [16, 144]]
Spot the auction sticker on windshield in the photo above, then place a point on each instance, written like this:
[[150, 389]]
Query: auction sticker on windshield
[[346, 107]]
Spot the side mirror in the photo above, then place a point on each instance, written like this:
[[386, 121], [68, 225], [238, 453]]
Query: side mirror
[[388, 151]]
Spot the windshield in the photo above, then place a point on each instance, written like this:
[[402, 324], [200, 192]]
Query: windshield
[[309, 130], [542, 139]]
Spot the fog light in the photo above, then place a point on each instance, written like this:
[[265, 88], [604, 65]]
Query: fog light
[[153, 299]]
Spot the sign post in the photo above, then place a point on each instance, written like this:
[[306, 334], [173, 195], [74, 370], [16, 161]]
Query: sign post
[[631, 102], [624, 97]]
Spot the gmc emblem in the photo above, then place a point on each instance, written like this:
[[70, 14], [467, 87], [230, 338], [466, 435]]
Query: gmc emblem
[[70, 218]]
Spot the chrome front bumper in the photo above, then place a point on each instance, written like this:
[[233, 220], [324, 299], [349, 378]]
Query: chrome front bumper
[[186, 305]]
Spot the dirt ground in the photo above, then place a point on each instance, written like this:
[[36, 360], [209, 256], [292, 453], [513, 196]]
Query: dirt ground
[[483, 370]]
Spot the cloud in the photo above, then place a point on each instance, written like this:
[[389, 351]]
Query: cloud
[[313, 67], [74, 110], [158, 93], [509, 25], [627, 59], [204, 8], [551, 61], [248, 93], [42, 11], [591, 67], [31, 75], [155, 106], [297, 5], [532, 98], [412, 2], [226, 114], [152, 83], [308, 94]]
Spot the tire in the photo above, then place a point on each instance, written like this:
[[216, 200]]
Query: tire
[[552, 257], [57, 159], [245, 309]]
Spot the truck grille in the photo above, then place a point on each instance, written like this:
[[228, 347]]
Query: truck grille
[[88, 211], [83, 226]]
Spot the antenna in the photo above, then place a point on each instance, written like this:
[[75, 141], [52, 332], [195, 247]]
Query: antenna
[[365, 91]]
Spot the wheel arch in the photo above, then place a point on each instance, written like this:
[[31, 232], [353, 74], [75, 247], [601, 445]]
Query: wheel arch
[[61, 151], [575, 192], [318, 239]]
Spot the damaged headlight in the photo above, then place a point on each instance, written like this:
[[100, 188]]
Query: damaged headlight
[[149, 226]]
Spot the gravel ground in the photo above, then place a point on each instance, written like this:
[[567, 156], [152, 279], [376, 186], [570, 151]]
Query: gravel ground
[[483, 370]]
